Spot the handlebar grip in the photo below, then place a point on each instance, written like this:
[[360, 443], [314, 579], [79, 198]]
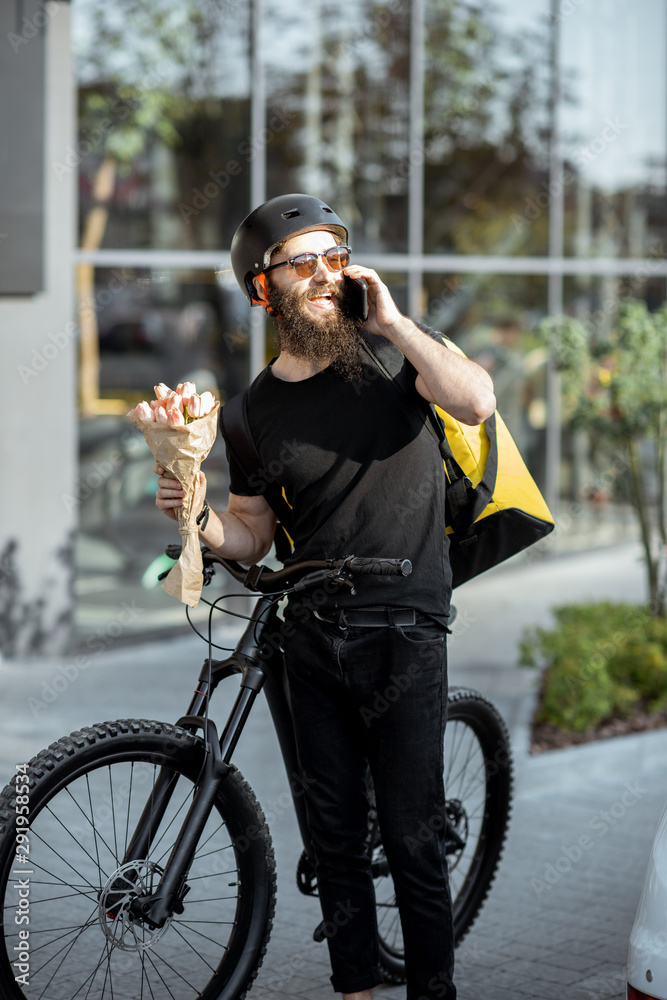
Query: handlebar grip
[[380, 567]]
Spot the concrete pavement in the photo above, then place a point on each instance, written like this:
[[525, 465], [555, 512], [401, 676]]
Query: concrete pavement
[[558, 918]]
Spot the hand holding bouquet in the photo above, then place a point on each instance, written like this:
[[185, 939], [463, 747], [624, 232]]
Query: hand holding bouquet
[[180, 427]]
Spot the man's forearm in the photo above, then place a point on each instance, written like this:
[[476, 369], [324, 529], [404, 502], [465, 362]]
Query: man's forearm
[[458, 385], [227, 535]]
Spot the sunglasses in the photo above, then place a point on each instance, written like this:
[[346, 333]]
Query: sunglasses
[[305, 264]]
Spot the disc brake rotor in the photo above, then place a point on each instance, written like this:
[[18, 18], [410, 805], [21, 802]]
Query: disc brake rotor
[[120, 925]]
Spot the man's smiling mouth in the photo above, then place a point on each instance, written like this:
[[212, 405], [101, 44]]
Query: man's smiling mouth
[[322, 300]]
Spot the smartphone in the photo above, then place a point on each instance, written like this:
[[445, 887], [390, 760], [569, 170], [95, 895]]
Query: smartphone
[[354, 301]]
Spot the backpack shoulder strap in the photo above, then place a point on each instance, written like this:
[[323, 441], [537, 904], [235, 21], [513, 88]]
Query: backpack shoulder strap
[[235, 427], [464, 502]]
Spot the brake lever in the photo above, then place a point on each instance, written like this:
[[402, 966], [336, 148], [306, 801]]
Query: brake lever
[[320, 575]]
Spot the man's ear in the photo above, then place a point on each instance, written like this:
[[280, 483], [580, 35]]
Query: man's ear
[[263, 293], [260, 287]]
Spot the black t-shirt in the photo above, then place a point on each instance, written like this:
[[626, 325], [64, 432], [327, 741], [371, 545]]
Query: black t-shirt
[[362, 474]]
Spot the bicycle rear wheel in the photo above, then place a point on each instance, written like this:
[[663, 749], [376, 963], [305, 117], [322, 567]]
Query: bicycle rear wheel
[[86, 794], [478, 794]]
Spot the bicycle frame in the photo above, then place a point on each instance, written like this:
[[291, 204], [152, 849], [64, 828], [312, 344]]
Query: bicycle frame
[[260, 664]]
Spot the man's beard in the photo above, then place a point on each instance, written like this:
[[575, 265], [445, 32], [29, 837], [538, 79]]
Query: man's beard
[[334, 338]]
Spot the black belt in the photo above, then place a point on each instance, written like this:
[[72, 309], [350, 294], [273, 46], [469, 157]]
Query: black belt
[[368, 617]]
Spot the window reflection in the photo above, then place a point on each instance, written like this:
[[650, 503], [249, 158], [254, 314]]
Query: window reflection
[[614, 122], [593, 483], [154, 326], [486, 126], [342, 71], [494, 318], [163, 153]]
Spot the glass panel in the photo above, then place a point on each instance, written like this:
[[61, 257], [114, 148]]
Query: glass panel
[[153, 326], [340, 75], [164, 110], [594, 487], [487, 90], [614, 126], [493, 318]]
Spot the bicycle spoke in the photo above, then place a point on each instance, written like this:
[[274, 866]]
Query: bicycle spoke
[[92, 814], [51, 848], [91, 975], [67, 950], [129, 802], [203, 843], [89, 939], [191, 946], [149, 956], [87, 819], [145, 976], [113, 816], [154, 846], [70, 834]]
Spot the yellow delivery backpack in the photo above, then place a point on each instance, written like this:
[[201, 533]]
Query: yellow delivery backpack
[[493, 507]]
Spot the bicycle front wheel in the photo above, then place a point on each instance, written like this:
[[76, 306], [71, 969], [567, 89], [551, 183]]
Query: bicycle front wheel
[[478, 795], [66, 931]]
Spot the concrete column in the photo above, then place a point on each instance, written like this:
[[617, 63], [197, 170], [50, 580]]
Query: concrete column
[[38, 428]]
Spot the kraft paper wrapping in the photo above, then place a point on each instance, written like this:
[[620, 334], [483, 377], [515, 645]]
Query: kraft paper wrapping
[[181, 451]]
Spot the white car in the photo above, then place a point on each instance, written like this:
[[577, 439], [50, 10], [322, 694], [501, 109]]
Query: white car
[[647, 956]]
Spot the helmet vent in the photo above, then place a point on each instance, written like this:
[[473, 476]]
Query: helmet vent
[[325, 209], [291, 215]]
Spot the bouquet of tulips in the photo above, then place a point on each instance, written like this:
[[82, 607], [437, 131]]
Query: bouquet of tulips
[[179, 427]]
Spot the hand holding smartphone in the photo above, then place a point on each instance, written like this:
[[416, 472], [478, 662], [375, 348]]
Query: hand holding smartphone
[[354, 300]]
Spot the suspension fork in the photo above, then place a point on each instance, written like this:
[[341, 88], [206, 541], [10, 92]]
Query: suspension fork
[[168, 897]]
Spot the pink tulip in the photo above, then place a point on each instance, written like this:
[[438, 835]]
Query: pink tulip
[[175, 418], [194, 406], [207, 403], [186, 389], [161, 416], [144, 411], [174, 402], [162, 391], [155, 403]]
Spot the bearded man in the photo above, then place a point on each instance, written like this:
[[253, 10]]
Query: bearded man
[[364, 476]]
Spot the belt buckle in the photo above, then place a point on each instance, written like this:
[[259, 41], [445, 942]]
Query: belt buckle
[[340, 622]]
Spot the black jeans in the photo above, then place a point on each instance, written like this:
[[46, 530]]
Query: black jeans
[[376, 695]]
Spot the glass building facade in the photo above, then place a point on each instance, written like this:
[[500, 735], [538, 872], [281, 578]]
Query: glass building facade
[[497, 162]]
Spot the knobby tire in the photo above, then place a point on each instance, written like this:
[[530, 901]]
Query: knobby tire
[[86, 794]]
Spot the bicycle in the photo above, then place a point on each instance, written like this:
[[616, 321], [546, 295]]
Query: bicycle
[[135, 860]]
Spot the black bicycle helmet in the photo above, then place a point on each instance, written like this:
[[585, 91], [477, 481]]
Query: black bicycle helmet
[[275, 220]]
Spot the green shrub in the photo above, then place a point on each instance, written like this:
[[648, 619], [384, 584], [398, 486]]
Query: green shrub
[[602, 661]]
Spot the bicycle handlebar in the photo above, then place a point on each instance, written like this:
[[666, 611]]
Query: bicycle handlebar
[[262, 579], [379, 567]]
